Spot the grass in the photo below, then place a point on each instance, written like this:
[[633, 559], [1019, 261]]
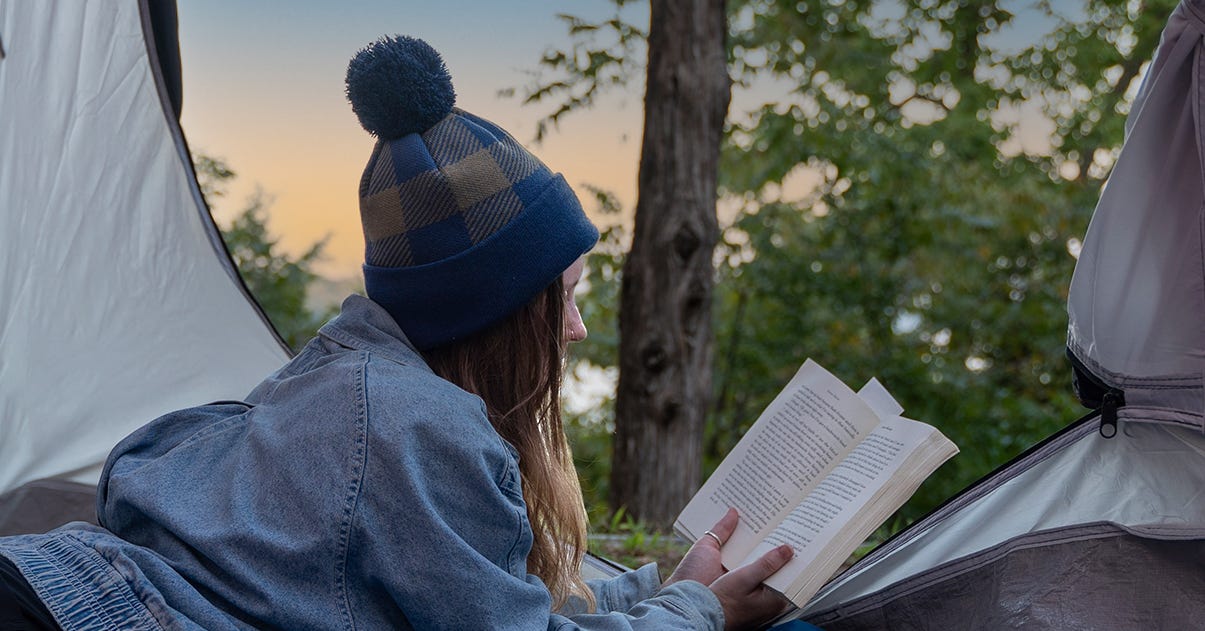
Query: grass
[[629, 542]]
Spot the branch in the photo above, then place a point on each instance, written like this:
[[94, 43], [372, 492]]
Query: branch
[[916, 96]]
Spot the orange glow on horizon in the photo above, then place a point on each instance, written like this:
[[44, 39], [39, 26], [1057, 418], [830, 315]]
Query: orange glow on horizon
[[302, 147]]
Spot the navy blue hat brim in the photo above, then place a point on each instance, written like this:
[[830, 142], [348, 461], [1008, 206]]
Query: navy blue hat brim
[[448, 300]]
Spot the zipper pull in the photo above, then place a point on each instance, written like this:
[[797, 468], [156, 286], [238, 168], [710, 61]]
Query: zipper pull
[[1108, 413]]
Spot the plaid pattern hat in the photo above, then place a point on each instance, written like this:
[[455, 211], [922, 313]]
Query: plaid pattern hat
[[462, 225]]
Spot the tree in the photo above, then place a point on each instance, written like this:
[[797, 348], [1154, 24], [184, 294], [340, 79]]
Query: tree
[[934, 252], [278, 281], [665, 301], [932, 248]]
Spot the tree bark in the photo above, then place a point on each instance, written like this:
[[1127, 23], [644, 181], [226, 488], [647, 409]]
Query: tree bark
[[665, 327]]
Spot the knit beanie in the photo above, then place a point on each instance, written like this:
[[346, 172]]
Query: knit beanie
[[462, 225]]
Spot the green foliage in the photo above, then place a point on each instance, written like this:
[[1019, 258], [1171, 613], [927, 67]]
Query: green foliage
[[1084, 70], [591, 441], [590, 430], [278, 280], [603, 55], [212, 176], [632, 543], [933, 249], [932, 253]]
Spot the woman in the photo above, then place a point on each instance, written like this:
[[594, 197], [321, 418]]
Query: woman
[[408, 469]]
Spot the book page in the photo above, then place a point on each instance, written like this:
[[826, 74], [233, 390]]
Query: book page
[[880, 400], [804, 433], [852, 485]]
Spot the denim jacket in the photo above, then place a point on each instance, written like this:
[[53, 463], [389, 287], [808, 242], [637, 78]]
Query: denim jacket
[[353, 490]]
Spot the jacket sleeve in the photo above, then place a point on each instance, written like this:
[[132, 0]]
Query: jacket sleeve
[[618, 593], [439, 533]]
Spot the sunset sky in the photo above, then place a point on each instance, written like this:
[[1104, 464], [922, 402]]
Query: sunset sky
[[263, 89]]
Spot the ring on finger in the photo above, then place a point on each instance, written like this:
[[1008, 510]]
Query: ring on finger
[[714, 536]]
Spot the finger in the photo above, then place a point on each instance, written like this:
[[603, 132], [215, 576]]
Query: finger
[[726, 526], [750, 576]]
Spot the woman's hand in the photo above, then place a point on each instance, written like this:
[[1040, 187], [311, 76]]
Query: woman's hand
[[702, 562], [747, 603]]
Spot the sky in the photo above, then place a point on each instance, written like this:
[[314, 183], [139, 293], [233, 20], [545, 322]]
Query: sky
[[263, 90]]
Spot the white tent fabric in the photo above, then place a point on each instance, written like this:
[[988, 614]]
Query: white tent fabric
[[1023, 547], [115, 305], [1070, 482], [1137, 302]]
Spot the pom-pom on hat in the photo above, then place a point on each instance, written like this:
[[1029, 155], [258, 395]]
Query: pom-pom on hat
[[462, 225]]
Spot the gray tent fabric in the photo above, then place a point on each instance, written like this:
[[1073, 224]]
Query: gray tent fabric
[[1084, 531], [118, 301], [1152, 579], [1047, 498], [40, 505], [1138, 291]]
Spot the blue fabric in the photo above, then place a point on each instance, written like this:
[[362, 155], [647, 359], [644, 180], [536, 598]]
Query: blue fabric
[[457, 167], [796, 625], [439, 240], [462, 225], [354, 490], [445, 301], [459, 136], [484, 130], [440, 195], [399, 85], [409, 158]]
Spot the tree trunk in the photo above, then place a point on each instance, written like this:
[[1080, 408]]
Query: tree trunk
[[665, 301]]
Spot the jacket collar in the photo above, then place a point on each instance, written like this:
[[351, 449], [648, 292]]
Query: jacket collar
[[364, 325]]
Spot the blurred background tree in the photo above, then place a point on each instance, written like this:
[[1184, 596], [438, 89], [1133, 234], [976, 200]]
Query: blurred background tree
[[279, 281], [889, 209], [665, 320]]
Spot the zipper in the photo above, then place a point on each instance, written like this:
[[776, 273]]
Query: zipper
[[971, 493], [1092, 392], [1113, 399], [1096, 394]]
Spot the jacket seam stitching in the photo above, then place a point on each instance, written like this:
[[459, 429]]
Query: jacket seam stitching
[[511, 564], [360, 344], [354, 489], [217, 427]]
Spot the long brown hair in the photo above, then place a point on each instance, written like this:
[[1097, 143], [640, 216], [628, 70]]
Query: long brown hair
[[516, 368]]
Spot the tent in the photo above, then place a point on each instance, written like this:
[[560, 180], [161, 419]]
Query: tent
[[118, 301], [1101, 526]]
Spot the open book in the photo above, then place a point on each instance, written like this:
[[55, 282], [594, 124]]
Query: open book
[[820, 470]]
